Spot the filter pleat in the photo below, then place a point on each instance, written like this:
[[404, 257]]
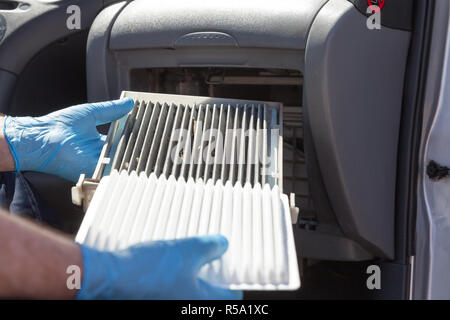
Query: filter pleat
[[228, 144], [155, 209], [251, 147], [214, 226], [206, 208], [142, 212], [159, 228], [194, 156], [242, 146], [152, 136], [226, 228], [137, 148], [174, 134], [258, 142], [264, 143], [219, 145], [159, 152], [105, 222], [125, 161], [188, 141], [273, 147], [236, 236], [210, 141], [175, 210], [117, 215], [176, 153], [101, 203], [257, 269], [234, 145], [269, 255], [183, 221], [131, 213], [198, 152], [125, 137], [280, 259], [194, 217], [247, 239]]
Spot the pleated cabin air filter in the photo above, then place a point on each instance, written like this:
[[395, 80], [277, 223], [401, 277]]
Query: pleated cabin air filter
[[193, 166], [128, 208]]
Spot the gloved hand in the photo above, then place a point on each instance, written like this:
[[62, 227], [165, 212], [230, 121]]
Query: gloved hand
[[154, 270], [64, 143]]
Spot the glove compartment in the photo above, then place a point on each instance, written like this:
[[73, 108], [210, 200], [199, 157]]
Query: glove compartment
[[343, 133]]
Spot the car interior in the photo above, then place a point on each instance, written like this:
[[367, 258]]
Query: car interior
[[344, 89]]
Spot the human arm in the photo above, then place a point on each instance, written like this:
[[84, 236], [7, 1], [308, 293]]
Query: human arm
[[34, 261], [64, 143], [6, 159]]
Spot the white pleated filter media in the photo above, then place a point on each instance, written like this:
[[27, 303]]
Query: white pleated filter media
[[127, 209]]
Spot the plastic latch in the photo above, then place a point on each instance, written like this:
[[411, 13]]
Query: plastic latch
[[294, 210], [77, 191]]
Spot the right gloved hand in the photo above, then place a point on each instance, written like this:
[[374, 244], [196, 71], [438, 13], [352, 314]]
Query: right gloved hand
[[154, 270]]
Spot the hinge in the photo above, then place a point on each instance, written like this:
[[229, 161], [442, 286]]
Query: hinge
[[436, 171], [83, 191]]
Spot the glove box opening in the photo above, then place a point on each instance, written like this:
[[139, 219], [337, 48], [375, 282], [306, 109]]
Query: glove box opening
[[281, 85]]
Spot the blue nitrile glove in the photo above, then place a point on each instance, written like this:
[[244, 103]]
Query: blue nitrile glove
[[64, 143], [154, 270]]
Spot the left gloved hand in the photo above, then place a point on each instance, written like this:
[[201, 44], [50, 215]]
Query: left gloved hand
[[154, 270], [64, 143]]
